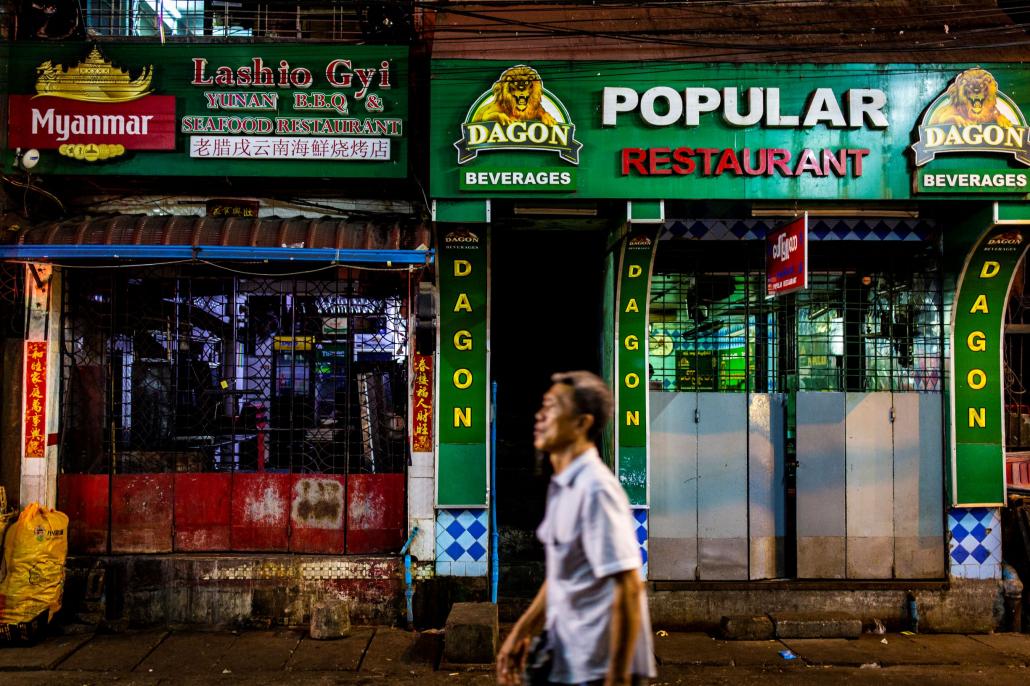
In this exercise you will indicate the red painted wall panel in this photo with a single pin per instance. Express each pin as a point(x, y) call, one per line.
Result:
point(375, 513)
point(83, 497)
point(202, 511)
point(260, 511)
point(141, 513)
point(317, 513)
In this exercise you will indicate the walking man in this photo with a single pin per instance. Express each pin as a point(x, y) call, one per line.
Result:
point(592, 604)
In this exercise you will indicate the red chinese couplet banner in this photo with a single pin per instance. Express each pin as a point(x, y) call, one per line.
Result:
point(422, 404)
point(35, 398)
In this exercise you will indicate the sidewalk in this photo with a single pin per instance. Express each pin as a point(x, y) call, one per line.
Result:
point(378, 655)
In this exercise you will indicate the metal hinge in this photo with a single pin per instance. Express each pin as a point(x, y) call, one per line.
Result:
point(891, 415)
point(697, 415)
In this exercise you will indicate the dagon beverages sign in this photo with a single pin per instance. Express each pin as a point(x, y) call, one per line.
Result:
point(786, 257)
point(973, 118)
point(262, 110)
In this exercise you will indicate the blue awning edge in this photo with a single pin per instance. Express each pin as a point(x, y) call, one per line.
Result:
point(46, 253)
point(371, 240)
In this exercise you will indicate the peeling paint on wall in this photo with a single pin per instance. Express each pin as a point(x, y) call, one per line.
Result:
point(266, 508)
point(318, 503)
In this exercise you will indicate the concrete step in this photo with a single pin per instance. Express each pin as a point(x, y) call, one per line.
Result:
point(823, 625)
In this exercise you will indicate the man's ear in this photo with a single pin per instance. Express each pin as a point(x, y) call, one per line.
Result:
point(585, 421)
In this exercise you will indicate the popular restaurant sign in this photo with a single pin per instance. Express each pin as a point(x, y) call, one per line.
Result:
point(329, 111)
point(711, 131)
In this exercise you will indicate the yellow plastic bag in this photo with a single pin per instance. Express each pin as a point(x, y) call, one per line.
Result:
point(35, 549)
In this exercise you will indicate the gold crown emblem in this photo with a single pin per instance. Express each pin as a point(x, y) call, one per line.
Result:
point(92, 80)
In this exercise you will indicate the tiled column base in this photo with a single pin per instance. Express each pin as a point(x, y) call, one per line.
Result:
point(974, 542)
point(461, 542)
point(640, 516)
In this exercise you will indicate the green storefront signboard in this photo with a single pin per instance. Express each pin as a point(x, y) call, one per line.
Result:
point(277, 110)
point(631, 371)
point(462, 379)
point(978, 380)
point(727, 131)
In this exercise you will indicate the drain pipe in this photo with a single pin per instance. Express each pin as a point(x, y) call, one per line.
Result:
point(494, 558)
point(409, 589)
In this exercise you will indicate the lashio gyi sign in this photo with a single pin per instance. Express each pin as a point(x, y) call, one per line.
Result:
point(276, 110)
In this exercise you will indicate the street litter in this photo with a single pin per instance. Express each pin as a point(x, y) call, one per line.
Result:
point(883, 641)
point(870, 665)
point(787, 655)
point(878, 627)
point(908, 633)
point(662, 634)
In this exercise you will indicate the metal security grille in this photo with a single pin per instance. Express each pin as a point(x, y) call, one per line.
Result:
point(711, 328)
point(870, 320)
point(281, 20)
point(1017, 364)
point(198, 372)
point(12, 304)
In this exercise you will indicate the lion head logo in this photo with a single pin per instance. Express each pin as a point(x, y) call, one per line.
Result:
point(972, 99)
point(518, 113)
point(517, 96)
point(972, 116)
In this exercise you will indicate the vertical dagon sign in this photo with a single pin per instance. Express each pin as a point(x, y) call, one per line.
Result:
point(422, 404)
point(35, 398)
point(786, 257)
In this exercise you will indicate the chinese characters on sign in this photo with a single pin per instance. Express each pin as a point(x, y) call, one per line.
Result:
point(35, 398)
point(289, 148)
point(232, 207)
point(422, 405)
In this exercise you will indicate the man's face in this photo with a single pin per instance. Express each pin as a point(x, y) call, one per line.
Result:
point(557, 422)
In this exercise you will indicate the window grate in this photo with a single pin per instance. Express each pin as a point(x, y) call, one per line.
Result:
point(209, 373)
point(871, 319)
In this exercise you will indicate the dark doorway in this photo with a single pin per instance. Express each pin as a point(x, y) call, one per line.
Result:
point(547, 295)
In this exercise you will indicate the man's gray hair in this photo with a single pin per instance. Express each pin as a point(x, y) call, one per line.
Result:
point(591, 396)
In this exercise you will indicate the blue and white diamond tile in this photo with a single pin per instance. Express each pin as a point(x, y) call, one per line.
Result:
point(461, 542)
point(640, 522)
point(819, 229)
point(974, 542)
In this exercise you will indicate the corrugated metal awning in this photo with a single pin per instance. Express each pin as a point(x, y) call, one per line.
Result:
point(223, 238)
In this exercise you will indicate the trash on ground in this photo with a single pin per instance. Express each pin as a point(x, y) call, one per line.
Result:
point(908, 633)
point(870, 665)
point(883, 641)
point(788, 655)
point(878, 627)
point(662, 634)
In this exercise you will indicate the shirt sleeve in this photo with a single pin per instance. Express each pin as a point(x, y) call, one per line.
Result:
point(609, 542)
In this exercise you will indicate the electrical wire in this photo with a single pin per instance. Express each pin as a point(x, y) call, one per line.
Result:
point(29, 186)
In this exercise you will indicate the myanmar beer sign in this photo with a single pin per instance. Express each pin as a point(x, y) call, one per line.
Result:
point(518, 114)
point(972, 118)
point(92, 111)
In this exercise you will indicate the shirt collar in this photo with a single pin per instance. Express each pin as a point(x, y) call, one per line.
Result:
point(578, 464)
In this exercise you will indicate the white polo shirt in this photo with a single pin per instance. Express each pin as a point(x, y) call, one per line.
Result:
point(588, 534)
